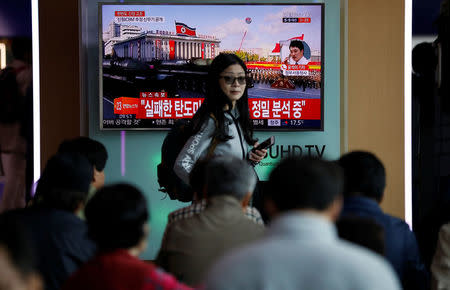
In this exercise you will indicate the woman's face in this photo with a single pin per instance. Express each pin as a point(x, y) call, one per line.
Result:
point(232, 82)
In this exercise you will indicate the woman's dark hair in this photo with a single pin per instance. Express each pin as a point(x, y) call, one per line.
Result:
point(116, 215)
point(216, 100)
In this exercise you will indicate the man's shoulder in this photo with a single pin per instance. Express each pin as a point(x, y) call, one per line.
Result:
point(303, 60)
point(206, 223)
point(395, 220)
point(53, 219)
point(341, 259)
point(185, 222)
point(186, 212)
point(370, 209)
point(244, 257)
point(396, 225)
point(356, 254)
point(375, 267)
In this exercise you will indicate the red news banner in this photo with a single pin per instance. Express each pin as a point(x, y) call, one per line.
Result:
point(158, 106)
point(300, 109)
point(129, 13)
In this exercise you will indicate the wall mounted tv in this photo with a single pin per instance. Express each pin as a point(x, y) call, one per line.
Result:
point(154, 60)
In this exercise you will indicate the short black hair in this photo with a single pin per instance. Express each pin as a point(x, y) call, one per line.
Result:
point(362, 231)
point(364, 175)
point(116, 215)
point(65, 182)
point(15, 239)
point(304, 182)
point(297, 43)
point(93, 150)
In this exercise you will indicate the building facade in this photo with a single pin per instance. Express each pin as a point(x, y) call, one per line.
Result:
point(166, 45)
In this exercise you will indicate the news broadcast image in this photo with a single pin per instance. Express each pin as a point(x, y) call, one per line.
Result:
point(155, 58)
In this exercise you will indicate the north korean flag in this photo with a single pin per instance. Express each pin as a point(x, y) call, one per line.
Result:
point(183, 29)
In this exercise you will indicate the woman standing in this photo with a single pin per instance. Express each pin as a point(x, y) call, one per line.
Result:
point(222, 125)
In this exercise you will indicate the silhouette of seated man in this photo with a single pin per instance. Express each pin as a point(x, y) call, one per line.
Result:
point(365, 181)
point(193, 244)
point(58, 234)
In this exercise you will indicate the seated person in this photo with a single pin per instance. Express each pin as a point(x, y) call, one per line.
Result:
point(96, 154)
point(17, 260)
point(197, 182)
point(440, 267)
point(362, 231)
point(365, 180)
point(193, 244)
point(301, 249)
point(60, 237)
point(117, 217)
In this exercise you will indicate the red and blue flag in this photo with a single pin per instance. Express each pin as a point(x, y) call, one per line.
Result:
point(184, 30)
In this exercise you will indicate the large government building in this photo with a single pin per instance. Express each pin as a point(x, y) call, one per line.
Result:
point(158, 44)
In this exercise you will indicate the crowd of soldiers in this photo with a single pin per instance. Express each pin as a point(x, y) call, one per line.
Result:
point(269, 76)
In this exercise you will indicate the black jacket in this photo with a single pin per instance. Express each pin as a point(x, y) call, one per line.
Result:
point(61, 243)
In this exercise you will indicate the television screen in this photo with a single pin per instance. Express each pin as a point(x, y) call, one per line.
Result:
point(154, 59)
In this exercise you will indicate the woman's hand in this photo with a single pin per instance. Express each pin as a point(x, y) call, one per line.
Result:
point(257, 155)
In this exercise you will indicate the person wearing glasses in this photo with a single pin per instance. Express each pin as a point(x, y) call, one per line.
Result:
point(221, 126)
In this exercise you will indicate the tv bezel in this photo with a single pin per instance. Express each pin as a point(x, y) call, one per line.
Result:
point(274, 129)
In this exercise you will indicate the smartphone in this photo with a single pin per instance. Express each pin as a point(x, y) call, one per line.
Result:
point(266, 143)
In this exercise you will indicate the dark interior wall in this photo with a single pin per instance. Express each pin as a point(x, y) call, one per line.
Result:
point(431, 126)
point(59, 73)
point(424, 14)
point(15, 18)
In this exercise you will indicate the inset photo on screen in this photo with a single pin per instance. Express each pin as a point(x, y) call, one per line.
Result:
point(154, 62)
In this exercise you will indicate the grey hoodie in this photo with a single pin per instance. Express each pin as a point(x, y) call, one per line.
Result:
point(197, 145)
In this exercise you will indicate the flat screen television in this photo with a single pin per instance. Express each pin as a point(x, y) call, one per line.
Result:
point(154, 59)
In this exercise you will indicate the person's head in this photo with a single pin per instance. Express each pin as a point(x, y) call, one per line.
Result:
point(230, 176)
point(64, 183)
point(424, 60)
point(226, 89)
point(306, 184)
point(17, 257)
point(94, 151)
point(228, 83)
point(197, 178)
point(364, 175)
point(117, 217)
point(362, 231)
point(296, 49)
